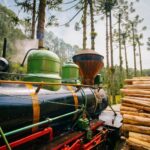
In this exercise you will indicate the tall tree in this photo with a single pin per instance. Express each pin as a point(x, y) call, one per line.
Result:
point(41, 23)
point(29, 6)
point(139, 37)
point(134, 47)
point(123, 9)
point(84, 23)
point(93, 34)
point(134, 28)
point(107, 40)
point(33, 19)
point(120, 50)
point(124, 36)
point(106, 6)
point(9, 29)
point(83, 5)
point(103, 6)
point(140, 55)
point(112, 60)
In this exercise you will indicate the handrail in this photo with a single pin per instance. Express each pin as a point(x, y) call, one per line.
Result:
point(48, 120)
point(5, 139)
point(22, 64)
point(44, 83)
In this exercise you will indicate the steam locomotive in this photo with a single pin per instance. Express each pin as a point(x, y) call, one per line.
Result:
point(44, 105)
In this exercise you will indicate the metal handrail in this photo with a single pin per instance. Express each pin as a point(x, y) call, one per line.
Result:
point(44, 83)
point(5, 139)
point(48, 120)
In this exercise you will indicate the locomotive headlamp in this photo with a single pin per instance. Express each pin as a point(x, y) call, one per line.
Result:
point(4, 65)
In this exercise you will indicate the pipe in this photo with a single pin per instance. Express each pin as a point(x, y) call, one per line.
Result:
point(5, 139)
point(43, 83)
point(4, 48)
point(30, 138)
point(22, 64)
point(48, 120)
point(84, 96)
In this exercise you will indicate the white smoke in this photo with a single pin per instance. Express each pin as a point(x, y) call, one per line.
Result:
point(22, 46)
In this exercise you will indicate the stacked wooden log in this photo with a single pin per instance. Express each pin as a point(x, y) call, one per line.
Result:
point(135, 109)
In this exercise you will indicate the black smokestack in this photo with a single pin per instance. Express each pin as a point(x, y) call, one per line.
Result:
point(4, 48)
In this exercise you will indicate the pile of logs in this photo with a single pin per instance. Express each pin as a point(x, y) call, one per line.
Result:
point(135, 109)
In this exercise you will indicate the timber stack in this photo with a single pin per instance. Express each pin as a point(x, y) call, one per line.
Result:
point(135, 109)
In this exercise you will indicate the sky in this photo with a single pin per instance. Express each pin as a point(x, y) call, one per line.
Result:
point(69, 35)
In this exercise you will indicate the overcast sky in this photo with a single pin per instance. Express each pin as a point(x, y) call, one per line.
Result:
point(75, 37)
point(69, 35)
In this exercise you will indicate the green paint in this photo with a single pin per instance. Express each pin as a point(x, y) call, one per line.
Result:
point(70, 73)
point(43, 61)
point(44, 65)
point(83, 123)
point(5, 139)
point(89, 134)
point(98, 79)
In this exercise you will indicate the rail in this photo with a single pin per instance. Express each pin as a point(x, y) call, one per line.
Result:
point(48, 120)
point(41, 84)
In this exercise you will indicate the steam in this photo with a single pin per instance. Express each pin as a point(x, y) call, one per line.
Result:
point(22, 46)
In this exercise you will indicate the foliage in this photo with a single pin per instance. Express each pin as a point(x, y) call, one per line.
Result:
point(146, 72)
point(148, 44)
point(9, 29)
point(105, 77)
point(106, 5)
point(31, 7)
point(16, 68)
point(63, 50)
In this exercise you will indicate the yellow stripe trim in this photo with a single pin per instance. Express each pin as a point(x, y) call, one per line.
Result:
point(75, 97)
point(35, 105)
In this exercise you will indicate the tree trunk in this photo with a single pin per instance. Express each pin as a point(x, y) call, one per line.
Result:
point(137, 95)
point(128, 112)
point(140, 58)
point(140, 108)
point(136, 120)
point(138, 98)
point(135, 91)
point(125, 108)
point(111, 41)
point(141, 82)
point(135, 128)
point(33, 19)
point(134, 50)
point(138, 144)
point(137, 102)
point(107, 40)
point(120, 52)
point(141, 78)
point(92, 25)
point(142, 137)
point(84, 22)
point(41, 23)
point(107, 57)
point(138, 86)
point(126, 58)
point(112, 61)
